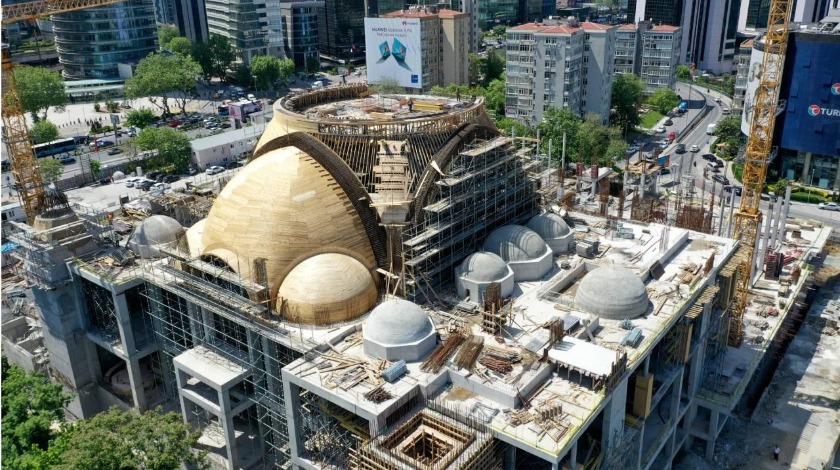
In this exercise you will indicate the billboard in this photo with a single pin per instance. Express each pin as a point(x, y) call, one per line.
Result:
point(394, 51)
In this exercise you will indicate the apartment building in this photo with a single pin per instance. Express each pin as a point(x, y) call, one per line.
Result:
point(710, 45)
point(239, 22)
point(744, 55)
point(626, 47)
point(659, 57)
point(419, 47)
point(559, 64)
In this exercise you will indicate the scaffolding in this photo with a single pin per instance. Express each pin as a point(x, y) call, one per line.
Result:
point(487, 185)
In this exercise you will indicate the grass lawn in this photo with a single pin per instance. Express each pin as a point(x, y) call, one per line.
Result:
point(650, 119)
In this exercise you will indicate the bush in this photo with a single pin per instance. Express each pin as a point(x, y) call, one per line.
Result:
point(97, 107)
point(812, 198)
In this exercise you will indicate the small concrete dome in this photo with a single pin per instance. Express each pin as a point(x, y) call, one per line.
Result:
point(515, 243)
point(118, 175)
point(398, 329)
point(155, 231)
point(397, 321)
point(549, 225)
point(326, 288)
point(484, 267)
point(612, 293)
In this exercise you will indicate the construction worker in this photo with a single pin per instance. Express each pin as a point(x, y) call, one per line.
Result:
point(776, 452)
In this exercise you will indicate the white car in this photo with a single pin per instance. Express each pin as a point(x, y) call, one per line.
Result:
point(829, 206)
point(130, 182)
point(695, 148)
point(161, 186)
point(660, 130)
point(213, 170)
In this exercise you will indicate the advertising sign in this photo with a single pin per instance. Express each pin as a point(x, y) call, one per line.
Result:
point(394, 51)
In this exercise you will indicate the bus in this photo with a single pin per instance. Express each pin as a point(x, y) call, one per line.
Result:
point(55, 147)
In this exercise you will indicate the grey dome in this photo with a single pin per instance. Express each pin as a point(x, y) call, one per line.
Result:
point(397, 321)
point(484, 267)
point(155, 230)
point(549, 225)
point(613, 293)
point(515, 243)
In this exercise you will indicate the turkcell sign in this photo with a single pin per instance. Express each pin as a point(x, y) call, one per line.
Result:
point(817, 110)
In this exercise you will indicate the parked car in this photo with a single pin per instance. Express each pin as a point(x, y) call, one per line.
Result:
point(192, 171)
point(736, 189)
point(709, 157)
point(672, 136)
point(224, 125)
point(114, 151)
point(680, 148)
point(721, 179)
point(829, 206)
point(160, 186)
point(251, 97)
point(632, 149)
point(233, 165)
point(174, 123)
point(153, 174)
point(130, 182)
point(144, 185)
point(213, 170)
point(659, 130)
point(171, 178)
point(669, 122)
point(695, 148)
point(66, 159)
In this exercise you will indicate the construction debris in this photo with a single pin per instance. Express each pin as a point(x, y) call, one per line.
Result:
point(469, 352)
point(438, 358)
point(378, 395)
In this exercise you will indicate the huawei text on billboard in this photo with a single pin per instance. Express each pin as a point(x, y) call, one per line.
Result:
point(816, 110)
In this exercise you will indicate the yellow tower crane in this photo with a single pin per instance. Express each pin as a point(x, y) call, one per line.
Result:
point(759, 146)
point(30, 183)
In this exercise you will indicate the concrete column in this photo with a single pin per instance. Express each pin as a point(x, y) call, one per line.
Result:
point(806, 169)
point(135, 378)
point(837, 181)
point(226, 420)
point(710, 444)
point(124, 324)
point(181, 380)
point(292, 393)
point(783, 222)
point(614, 416)
point(510, 458)
point(774, 230)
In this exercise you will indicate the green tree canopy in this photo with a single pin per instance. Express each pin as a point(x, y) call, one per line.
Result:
point(30, 405)
point(266, 71)
point(159, 77)
point(244, 77)
point(728, 128)
point(728, 84)
point(477, 65)
point(387, 86)
point(663, 100)
point(51, 169)
point(683, 73)
point(166, 33)
point(180, 45)
point(43, 131)
point(140, 118)
point(119, 440)
point(173, 147)
point(511, 126)
point(203, 56)
point(494, 69)
point(495, 96)
point(222, 55)
point(557, 121)
point(499, 31)
point(603, 141)
point(287, 69)
point(626, 90)
point(39, 90)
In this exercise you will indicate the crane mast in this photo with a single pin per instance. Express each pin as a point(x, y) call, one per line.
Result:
point(27, 174)
point(756, 158)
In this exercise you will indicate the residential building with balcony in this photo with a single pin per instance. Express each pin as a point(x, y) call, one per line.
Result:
point(239, 22)
point(598, 69)
point(744, 55)
point(660, 53)
point(626, 48)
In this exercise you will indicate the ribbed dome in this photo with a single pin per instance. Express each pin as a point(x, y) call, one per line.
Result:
point(549, 225)
point(484, 267)
point(282, 206)
point(515, 243)
point(613, 293)
point(326, 288)
point(397, 321)
point(154, 231)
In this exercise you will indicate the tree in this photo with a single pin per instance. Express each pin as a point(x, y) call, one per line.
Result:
point(557, 121)
point(266, 71)
point(313, 65)
point(95, 166)
point(663, 100)
point(30, 406)
point(140, 118)
point(244, 77)
point(287, 69)
point(728, 128)
point(166, 33)
point(386, 86)
point(511, 126)
point(477, 65)
point(180, 45)
point(495, 68)
point(495, 96)
point(158, 76)
point(43, 131)
point(499, 31)
point(222, 55)
point(39, 90)
point(51, 169)
point(201, 54)
point(173, 147)
point(728, 84)
point(626, 90)
point(119, 440)
point(683, 73)
point(112, 106)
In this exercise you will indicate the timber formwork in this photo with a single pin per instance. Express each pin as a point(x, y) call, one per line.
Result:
point(487, 185)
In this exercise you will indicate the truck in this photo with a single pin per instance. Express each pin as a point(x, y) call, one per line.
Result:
point(710, 130)
point(240, 109)
point(683, 107)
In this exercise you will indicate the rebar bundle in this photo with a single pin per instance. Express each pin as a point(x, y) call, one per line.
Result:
point(378, 395)
point(469, 352)
point(498, 365)
point(438, 358)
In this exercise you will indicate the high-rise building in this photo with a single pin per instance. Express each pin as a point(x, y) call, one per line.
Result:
point(341, 29)
point(300, 25)
point(655, 11)
point(239, 22)
point(165, 11)
point(710, 45)
point(559, 64)
point(753, 13)
point(419, 47)
point(191, 19)
point(92, 43)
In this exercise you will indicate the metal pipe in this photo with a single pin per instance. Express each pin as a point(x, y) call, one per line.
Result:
point(731, 213)
point(723, 207)
point(783, 222)
point(561, 191)
point(762, 253)
point(774, 231)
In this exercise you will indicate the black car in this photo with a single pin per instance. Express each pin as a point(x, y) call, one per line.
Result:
point(233, 165)
point(680, 148)
point(153, 174)
point(171, 178)
point(721, 179)
point(81, 140)
point(709, 157)
point(224, 125)
point(114, 151)
point(6, 165)
point(145, 185)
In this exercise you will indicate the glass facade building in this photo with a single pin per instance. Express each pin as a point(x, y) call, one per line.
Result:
point(300, 24)
point(92, 42)
point(341, 26)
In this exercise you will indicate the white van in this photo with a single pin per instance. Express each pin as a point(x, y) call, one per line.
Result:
point(710, 130)
point(317, 84)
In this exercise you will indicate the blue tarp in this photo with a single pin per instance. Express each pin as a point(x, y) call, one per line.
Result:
point(9, 246)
